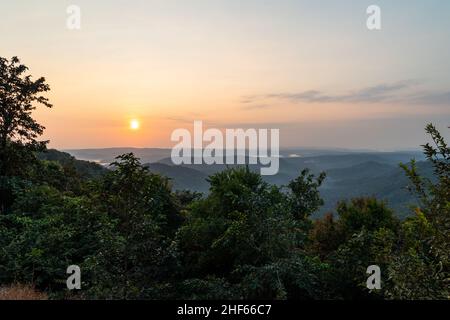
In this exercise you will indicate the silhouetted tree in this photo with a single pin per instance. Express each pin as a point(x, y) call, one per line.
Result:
point(19, 95)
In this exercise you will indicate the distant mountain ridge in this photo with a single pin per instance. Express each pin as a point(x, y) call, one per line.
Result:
point(349, 173)
point(107, 155)
point(149, 155)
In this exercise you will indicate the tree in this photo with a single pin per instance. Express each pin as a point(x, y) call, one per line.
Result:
point(305, 197)
point(325, 236)
point(365, 234)
point(426, 235)
point(45, 232)
point(19, 95)
point(136, 257)
point(367, 213)
point(245, 238)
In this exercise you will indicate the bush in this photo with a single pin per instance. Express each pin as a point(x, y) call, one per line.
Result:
point(21, 292)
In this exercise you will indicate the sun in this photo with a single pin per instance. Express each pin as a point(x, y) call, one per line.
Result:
point(134, 124)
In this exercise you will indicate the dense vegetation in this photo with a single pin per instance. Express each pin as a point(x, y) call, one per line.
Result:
point(134, 238)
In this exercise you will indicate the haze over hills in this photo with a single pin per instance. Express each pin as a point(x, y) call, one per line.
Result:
point(149, 155)
point(350, 173)
point(107, 155)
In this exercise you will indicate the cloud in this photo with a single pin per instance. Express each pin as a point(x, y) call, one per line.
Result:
point(400, 92)
point(434, 98)
point(180, 119)
point(189, 118)
point(256, 106)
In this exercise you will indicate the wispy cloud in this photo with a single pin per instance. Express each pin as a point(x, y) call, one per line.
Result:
point(180, 119)
point(400, 92)
point(256, 106)
point(190, 117)
point(433, 98)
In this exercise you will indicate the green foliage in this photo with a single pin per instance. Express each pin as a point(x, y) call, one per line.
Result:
point(244, 233)
point(350, 261)
point(421, 270)
point(367, 213)
point(305, 198)
point(136, 239)
point(44, 234)
point(208, 288)
point(414, 272)
point(295, 277)
point(364, 235)
point(325, 236)
point(413, 255)
point(136, 255)
point(72, 166)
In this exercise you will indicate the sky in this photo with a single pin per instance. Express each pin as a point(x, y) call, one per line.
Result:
point(309, 68)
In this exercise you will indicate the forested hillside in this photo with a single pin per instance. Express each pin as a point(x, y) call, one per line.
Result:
point(348, 176)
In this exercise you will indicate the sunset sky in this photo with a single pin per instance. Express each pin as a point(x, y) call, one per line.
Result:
point(310, 68)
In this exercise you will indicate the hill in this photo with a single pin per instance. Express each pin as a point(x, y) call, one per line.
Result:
point(85, 169)
point(349, 173)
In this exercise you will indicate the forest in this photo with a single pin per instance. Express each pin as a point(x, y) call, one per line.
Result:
point(134, 237)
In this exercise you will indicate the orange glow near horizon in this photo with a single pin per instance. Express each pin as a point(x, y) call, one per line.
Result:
point(134, 73)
